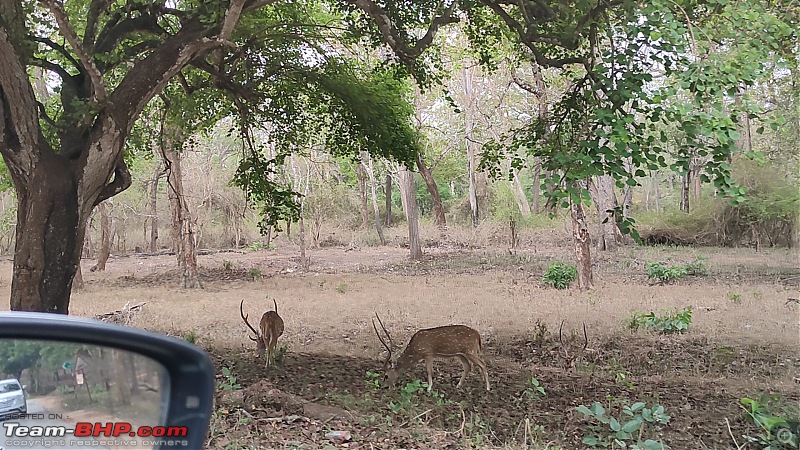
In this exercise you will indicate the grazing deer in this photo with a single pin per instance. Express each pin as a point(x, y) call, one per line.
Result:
point(271, 328)
point(570, 359)
point(450, 341)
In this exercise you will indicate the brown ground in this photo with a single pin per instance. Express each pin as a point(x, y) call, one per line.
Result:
point(743, 341)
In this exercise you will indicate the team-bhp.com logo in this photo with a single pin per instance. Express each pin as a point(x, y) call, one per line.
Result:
point(96, 429)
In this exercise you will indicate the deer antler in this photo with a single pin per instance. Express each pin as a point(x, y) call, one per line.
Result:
point(244, 317)
point(388, 336)
point(569, 358)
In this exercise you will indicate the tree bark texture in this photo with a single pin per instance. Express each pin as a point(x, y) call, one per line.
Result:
point(409, 197)
point(519, 195)
point(602, 190)
point(583, 256)
point(105, 238)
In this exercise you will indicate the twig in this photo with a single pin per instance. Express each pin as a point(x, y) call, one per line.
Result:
point(416, 417)
point(728, 424)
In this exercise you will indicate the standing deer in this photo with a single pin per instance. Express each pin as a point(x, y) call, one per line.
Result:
point(271, 328)
point(449, 341)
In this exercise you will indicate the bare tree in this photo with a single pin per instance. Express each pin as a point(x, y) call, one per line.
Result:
point(409, 198)
point(182, 225)
point(366, 162)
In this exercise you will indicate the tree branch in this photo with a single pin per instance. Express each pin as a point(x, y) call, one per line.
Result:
point(20, 134)
point(98, 86)
point(95, 9)
point(391, 36)
point(122, 181)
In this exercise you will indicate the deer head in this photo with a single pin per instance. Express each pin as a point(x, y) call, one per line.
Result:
point(258, 339)
point(390, 373)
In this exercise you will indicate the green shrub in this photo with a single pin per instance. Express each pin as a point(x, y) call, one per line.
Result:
point(560, 275)
point(779, 424)
point(667, 323)
point(627, 431)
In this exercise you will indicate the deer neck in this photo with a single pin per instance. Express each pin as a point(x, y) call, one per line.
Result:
point(406, 361)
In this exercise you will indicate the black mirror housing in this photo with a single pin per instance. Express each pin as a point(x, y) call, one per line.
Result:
point(190, 369)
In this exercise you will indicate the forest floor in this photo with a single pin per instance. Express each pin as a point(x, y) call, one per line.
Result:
point(742, 342)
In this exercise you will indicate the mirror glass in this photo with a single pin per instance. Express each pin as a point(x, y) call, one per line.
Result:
point(69, 395)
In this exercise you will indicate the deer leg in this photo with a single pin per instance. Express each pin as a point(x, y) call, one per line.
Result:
point(429, 367)
point(482, 366)
point(467, 367)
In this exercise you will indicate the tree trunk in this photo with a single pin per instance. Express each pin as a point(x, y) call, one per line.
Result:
point(696, 181)
point(182, 227)
point(49, 237)
point(362, 193)
point(537, 169)
point(609, 236)
point(366, 162)
point(303, 258)
point(433, 190)
point(105, 238)
point(583, 257)
point(409, 197)
point(656, 192)
point(388, 193)
point(685, 182)
point(157, 174)
point(122, 388)
point(519, 195)
point(470, 144)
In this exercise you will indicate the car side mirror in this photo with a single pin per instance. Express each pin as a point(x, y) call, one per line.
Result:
point(86, 382)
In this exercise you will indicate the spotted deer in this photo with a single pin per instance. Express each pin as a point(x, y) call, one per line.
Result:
point(270, 329)
point(449, 341)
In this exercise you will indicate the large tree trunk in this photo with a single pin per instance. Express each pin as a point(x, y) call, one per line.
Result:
point(182, 226)
point(49, 236)
point(409, 198)
point(433, 190)
point(366, 161)
point(105, 238)
point(583, 256)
